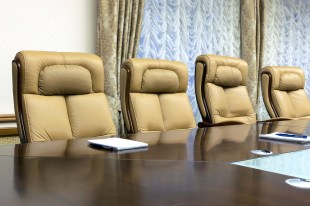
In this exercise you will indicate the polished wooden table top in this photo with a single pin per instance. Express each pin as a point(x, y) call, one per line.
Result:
point(181, 167)
point(216, 144)
point(78, 181)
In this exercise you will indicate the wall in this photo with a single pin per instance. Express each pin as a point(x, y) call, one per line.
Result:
point(55, 25)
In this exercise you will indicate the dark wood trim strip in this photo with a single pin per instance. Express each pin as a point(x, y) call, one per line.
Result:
point(227, 123)
point(8, 131)
point(269, 93)
point(7, 118)
point(131, 129)
point(20, 119)
point(203, 96)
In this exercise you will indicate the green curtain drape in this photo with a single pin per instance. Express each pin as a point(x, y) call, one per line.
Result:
point(118, 35)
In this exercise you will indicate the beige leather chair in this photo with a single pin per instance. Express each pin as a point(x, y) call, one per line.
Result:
point(59, 95)
point(221, 93)
point(153, 95)
point(283, 92)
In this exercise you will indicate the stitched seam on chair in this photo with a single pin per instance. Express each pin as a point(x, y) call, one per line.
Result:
point(142, 81)
point(237, 66)
point(174, 72)
point(66, 101)
point(132, 115)
point(247, 116)
point(161, 110)
point(187, 99)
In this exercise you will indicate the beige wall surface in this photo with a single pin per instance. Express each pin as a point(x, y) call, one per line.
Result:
point(54, 25)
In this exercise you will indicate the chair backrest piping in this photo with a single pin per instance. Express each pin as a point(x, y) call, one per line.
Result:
point(22, 132)
point(269, 93)
point(203, 96)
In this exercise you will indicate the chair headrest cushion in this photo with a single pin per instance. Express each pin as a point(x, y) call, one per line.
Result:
point(290, 82)
point(65, 80)
point(228, 76)
point(156, 76)
point(159, 81)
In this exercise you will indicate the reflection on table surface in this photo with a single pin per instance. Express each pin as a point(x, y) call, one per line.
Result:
point(99, 181)
point(303, 123)
point(219, 144)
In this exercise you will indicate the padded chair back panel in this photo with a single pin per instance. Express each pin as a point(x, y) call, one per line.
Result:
point(283, 92)
point(237, 108)
point(221, 90)
point(153, 96)
point(60, 96)
point(46, 117)
point(147, 112)
point(88, 115)
point(177, 112)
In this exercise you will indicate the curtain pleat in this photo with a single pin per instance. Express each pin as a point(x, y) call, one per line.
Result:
point(250, 45)
point(252, 20)
point(181, 30)
point(118, 34)
point(261, 110)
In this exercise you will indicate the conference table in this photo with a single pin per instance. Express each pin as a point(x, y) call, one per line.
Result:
point(203, 166)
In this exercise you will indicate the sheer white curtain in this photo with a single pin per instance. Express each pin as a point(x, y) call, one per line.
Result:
point(183, 29)
point(287, 38)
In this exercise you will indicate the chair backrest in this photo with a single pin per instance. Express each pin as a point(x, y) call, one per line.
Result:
point(153, 95)
point(221, 93)
point(59, 95)
point(283, 92)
